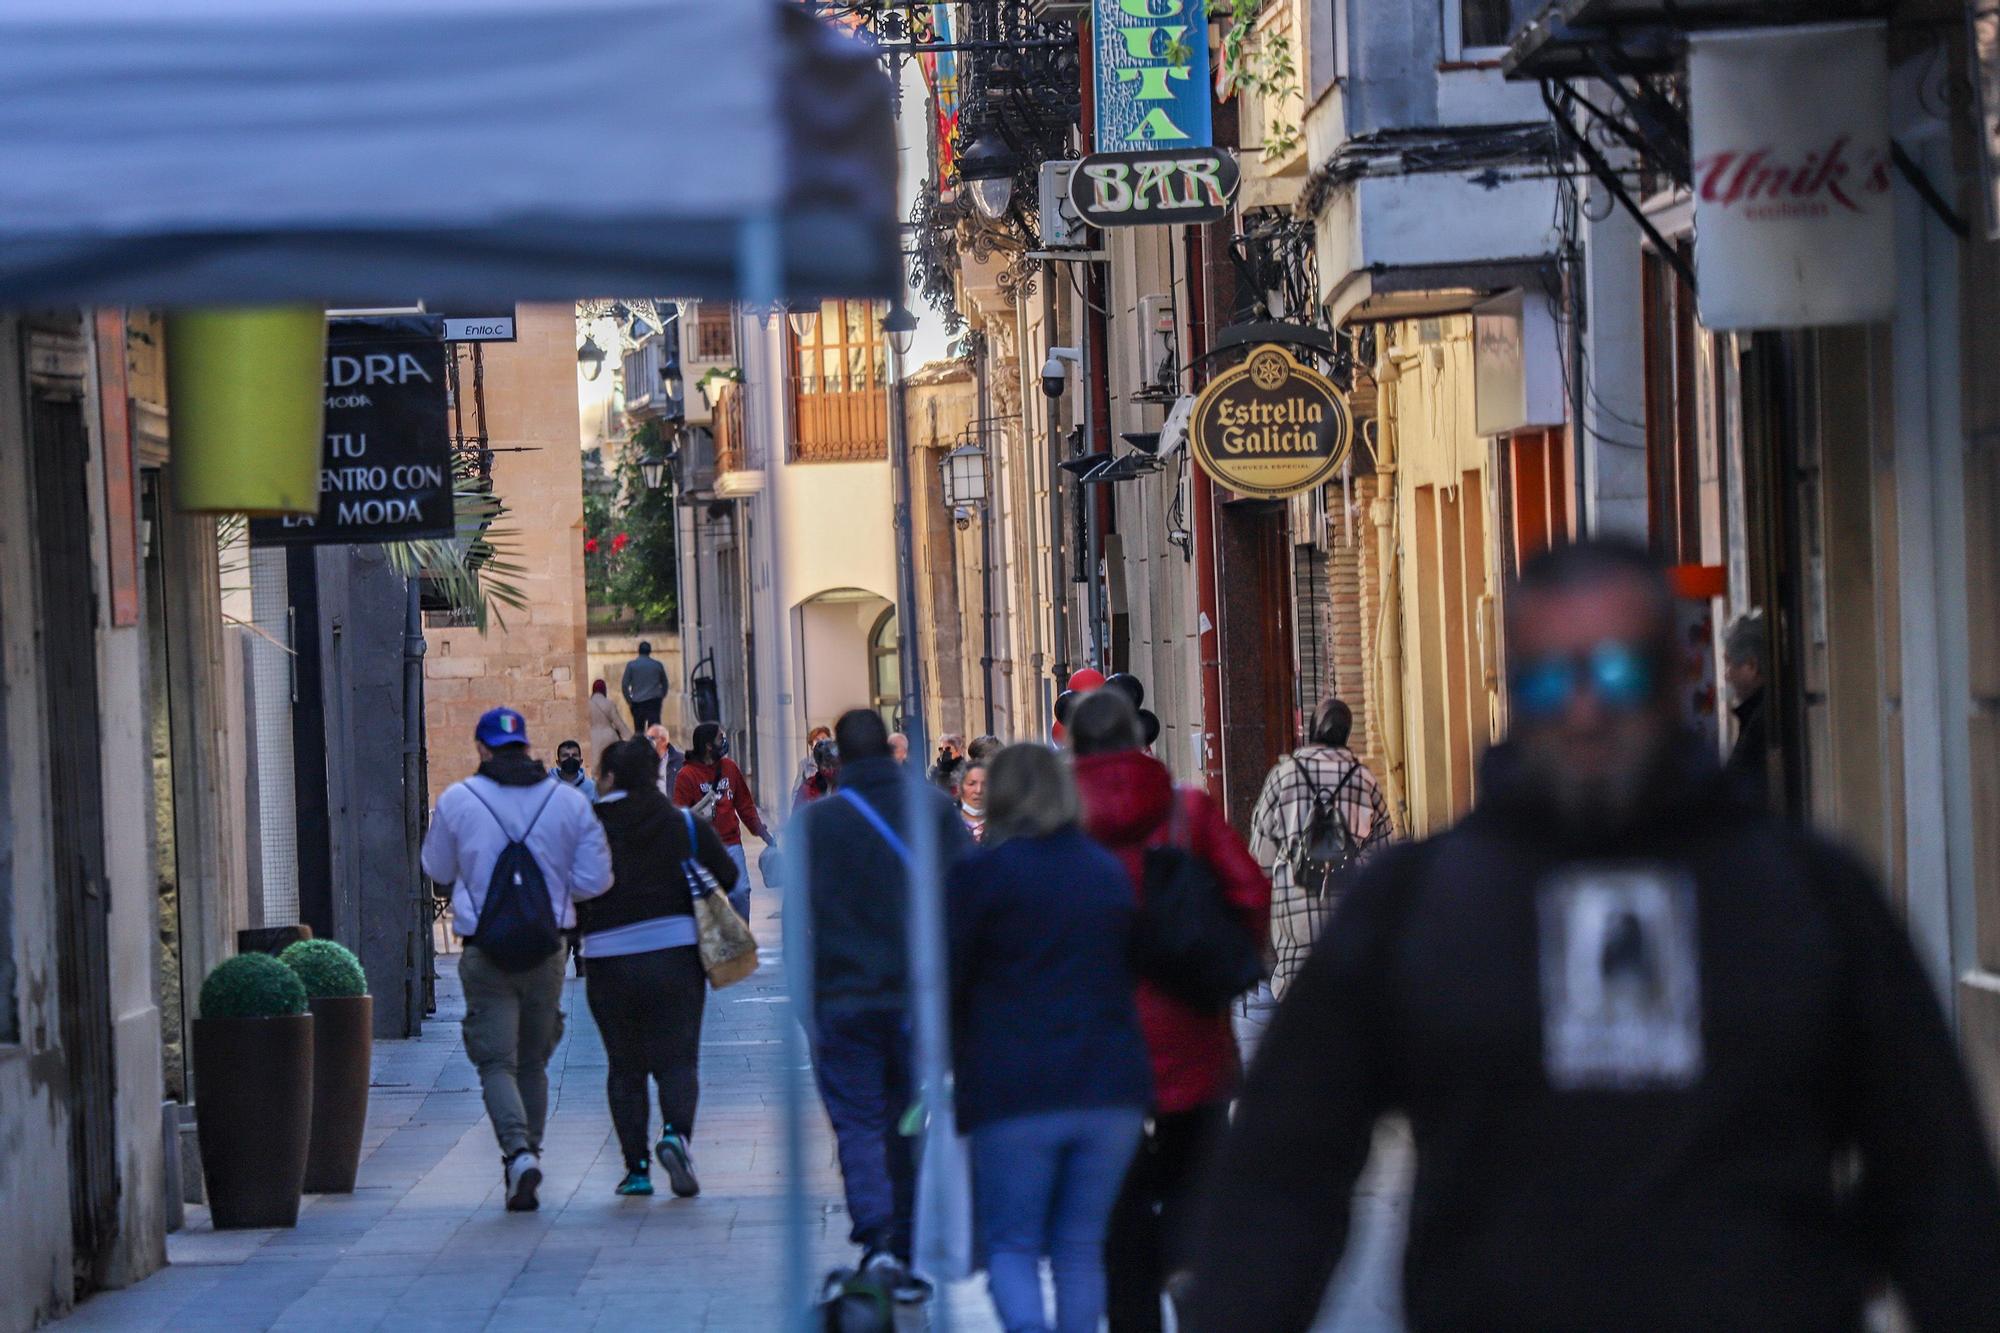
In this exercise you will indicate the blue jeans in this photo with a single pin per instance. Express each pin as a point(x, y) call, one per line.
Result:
point(739, 897)
point(862, 1062)
point(1044, 1185)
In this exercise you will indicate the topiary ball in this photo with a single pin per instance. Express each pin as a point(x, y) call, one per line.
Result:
point(325, 968)
point(252, 985)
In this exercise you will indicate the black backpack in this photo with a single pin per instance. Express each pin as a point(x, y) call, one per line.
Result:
point(517, 926)
point(1186, 940)
point(1327, 849)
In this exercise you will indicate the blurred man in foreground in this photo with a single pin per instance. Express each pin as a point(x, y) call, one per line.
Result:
point(1669, 1062)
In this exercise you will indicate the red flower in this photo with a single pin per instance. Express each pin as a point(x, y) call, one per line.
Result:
point(590, 546)
point(620, 542)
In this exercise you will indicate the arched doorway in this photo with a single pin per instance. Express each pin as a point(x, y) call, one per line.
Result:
point(885, 668)
point(847, 654)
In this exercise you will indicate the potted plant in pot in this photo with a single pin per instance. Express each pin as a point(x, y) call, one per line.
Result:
point(343, 1046)
point(253, 1067)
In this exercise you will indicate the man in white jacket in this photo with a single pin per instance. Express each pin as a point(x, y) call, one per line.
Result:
point(513, 1019)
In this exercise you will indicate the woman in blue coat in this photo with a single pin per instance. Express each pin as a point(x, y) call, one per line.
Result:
point(1052, 1076)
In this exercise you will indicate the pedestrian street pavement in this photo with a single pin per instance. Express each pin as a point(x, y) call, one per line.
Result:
point(423, 1243)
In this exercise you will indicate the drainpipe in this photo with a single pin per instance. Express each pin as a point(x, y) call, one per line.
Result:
point(417, 978)
point(985, 545)
point(1201, 499)
point(1388, 658)
point(1058, 576)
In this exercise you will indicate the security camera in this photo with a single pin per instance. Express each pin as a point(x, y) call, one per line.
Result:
point(1055, 376)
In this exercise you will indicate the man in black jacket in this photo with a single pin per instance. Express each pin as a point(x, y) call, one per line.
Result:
point(1670, 1063)
point(856, 847)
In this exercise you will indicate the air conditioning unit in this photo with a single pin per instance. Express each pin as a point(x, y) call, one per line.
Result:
point(1063, 228)
point(1160, 371)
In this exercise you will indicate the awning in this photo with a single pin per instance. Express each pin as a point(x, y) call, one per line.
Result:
point(364, 152)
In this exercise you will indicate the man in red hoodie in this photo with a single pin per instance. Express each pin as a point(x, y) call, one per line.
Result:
point(1128, 805)
point(711, 785)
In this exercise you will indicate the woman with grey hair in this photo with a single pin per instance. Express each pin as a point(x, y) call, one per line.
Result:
point(1052, 1075)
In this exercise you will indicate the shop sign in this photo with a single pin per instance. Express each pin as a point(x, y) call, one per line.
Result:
point(1151, 74)
point(385, 473)
point(1271, 427)
point(1153, 188)
point(1794, 220)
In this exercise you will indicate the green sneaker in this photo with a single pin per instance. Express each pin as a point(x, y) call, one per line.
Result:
point(674, 1157)
point(636, 1182)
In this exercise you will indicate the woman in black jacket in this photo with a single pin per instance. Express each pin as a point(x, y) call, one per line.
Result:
point(645, 981)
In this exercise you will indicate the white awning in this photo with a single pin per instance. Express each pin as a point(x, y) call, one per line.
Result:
point(362, 152)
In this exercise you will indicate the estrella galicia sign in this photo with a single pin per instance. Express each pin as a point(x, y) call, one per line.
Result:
point(1153, 188)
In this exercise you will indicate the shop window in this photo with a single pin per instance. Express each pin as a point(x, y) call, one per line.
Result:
point(1673, 481)
point(840, 386)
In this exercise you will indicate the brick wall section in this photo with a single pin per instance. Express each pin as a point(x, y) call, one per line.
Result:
point(537, 663)
point(1353, 583)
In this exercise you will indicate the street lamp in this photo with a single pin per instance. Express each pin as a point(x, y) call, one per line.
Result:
point(653, 471)
point(964, 474)
point(590, 358)
point(987, 166)
point(805, 321)
point(901, 327)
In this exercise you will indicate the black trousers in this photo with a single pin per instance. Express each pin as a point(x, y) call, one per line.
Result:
point(648, 1008)
point(645, 712)
point(1145, 1245)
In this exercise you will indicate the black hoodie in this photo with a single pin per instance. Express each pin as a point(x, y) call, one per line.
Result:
point(1634, 1063)
point(648, 836)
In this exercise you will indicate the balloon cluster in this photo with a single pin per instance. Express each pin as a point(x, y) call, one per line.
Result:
point(1082, 682)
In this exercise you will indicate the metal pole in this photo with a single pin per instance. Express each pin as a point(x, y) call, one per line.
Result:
point(907, 643)
point(1058, 576)
point(985, 543)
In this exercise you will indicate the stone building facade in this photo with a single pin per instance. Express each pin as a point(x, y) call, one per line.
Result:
point(536, 661)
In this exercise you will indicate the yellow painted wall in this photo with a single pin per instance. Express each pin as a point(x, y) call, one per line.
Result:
point(1447, 553)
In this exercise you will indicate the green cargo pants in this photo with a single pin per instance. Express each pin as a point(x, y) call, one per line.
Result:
point(513, 1021)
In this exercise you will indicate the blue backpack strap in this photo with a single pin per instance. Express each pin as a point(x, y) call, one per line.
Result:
point(880, 825)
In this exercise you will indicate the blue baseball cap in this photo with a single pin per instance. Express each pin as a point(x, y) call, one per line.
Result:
point(500, 726)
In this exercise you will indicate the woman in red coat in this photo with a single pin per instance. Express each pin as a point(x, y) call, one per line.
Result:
point(1128, 805)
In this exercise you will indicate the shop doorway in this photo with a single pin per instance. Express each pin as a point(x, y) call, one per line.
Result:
point(60, 457)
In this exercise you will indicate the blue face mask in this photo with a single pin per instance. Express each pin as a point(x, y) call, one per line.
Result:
point(1623, 676)
point(722, 747)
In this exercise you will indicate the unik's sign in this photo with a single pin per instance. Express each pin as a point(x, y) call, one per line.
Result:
point(1151, 77)
point(385, 475)
point(1153, 188)
point(1794, 219)
point(1270, 427)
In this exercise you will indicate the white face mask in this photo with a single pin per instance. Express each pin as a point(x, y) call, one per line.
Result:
point(977, 812)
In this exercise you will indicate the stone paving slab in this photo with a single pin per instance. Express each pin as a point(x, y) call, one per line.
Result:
point(424, 1244)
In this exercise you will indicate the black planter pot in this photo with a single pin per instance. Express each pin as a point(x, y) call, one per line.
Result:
point(343, 1049)
point(253, 1114)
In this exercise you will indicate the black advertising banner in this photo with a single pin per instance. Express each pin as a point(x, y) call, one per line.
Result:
point(385, 475)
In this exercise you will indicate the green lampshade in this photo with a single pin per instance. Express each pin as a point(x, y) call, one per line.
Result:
point(246, 401)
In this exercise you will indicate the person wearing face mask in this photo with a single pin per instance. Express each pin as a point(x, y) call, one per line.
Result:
point(569, 769)
point(972, 799)
point(711, 785)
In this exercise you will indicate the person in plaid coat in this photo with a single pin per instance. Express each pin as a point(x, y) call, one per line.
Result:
point(1323, 769)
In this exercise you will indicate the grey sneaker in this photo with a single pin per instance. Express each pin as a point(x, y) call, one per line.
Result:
point(678, 1163)
point(524, 1177)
